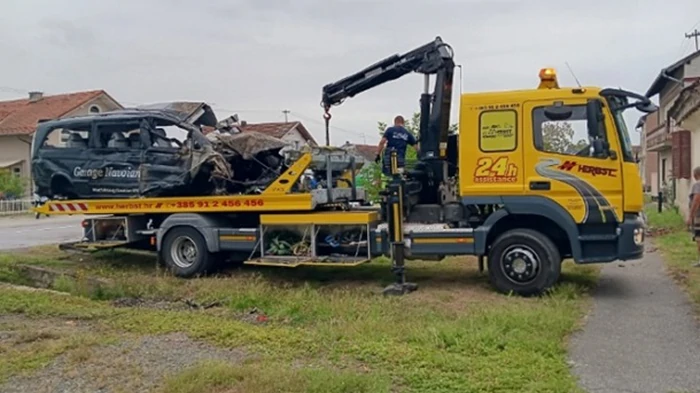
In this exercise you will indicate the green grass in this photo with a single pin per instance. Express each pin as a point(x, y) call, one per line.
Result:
point(272, 378)
point(679, 251)
point(668, 219)
point(330, 330)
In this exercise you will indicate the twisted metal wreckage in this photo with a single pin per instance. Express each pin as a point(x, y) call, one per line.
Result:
point(127, 154)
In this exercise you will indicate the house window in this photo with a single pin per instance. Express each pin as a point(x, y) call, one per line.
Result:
point(17, 171)
point(94, 109)
point(663, 170)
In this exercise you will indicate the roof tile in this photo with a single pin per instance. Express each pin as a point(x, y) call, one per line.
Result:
point(278, 130)
point(20, 117)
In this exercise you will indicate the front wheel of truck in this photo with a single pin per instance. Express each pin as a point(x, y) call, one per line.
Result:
point(523, 261)
point(185, 252)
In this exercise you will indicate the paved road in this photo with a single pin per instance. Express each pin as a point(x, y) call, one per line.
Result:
point(641, 335)
point(26, 231)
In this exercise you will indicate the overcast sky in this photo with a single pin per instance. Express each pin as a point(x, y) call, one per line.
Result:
point(259, 57)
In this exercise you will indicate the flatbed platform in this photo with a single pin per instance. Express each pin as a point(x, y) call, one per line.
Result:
point(199, 204)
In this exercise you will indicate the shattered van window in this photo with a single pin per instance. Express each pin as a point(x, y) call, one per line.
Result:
point(173, 131)
point(119, 136)
point(74, 138)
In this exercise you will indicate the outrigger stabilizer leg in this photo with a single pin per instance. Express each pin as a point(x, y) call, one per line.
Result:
point(394, 207)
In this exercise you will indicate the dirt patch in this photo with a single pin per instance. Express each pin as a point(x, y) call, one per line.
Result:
point(131, 365)
point(12, 326)
point(656, 232)
point(164, 304)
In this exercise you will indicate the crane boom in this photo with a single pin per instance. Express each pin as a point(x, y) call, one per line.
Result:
point(427, 59)
point(435, 57)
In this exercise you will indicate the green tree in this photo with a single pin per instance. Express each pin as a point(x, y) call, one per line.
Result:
point(559, 138)
point(11, 186)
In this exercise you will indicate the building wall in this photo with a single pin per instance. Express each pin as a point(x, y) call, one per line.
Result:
point(294, 138)
point(692, 69)
point(648, 169)
point(692, 124)
point(668, 95)
point(649, 160)
point(103, 102)
point(13, 148)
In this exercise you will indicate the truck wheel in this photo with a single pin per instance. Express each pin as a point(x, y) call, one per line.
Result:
point(523, 261)
point(185, 252)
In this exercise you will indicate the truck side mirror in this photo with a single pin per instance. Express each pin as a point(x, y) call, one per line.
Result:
point(594, 114)
point(596, 130)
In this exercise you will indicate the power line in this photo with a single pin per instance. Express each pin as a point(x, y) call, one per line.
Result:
point(285, 112)
point(695, 34)
point(9, 89)
point(310, 119)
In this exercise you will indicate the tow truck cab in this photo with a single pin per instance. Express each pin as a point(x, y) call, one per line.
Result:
point(555, 160)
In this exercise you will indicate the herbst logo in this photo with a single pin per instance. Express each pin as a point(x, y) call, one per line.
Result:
point(567, 165)
point(588, 169)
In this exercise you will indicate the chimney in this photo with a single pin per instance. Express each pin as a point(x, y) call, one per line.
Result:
point(35, 96)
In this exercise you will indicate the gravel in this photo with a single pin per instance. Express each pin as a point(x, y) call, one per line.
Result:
point(132, 365)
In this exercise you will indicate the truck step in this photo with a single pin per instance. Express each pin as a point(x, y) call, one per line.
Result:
point(292, 261)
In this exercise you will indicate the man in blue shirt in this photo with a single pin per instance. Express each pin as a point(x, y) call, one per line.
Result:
point(396, 138)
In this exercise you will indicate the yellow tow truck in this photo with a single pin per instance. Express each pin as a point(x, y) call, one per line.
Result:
point(502, 189)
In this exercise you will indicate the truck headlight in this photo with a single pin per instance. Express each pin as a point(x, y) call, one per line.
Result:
point(638, 236)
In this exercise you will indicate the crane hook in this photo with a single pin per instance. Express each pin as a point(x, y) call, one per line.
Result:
point(327, 118)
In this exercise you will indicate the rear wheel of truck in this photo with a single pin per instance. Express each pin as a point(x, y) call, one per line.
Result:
point(523, 261)
point(185, 252)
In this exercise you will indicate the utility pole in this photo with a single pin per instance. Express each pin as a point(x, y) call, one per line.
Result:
point(695, 34)
point(286, 113)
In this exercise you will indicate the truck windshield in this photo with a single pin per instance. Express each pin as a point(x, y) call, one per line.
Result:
point(619, 100)
point(618, 104)
point(623, 135)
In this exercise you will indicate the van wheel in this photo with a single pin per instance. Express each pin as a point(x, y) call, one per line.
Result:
point(523, 261)
point(185, 253)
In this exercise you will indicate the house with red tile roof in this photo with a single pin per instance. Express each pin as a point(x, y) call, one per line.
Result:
point(292, 132)
point(19, 118)
point(368, 152)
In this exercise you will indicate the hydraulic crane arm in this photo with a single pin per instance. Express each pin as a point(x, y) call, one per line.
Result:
point(427, 59)
point(435, 57)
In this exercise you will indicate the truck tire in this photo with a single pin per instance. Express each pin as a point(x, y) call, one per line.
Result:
point(523, 261)
point(185, 252)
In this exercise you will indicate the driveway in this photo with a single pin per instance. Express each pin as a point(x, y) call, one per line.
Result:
point(641, 335)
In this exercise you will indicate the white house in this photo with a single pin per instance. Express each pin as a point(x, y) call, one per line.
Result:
point(686, 114)
point(671, 142)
